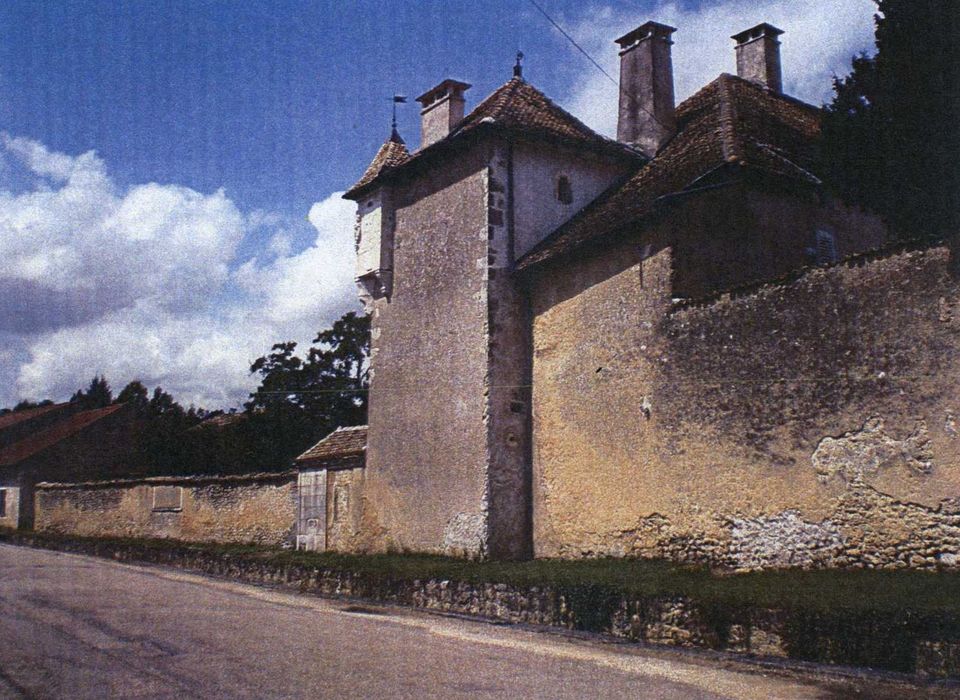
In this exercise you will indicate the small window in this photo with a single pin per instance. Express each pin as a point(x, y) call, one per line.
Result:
point(826, 251)
point(167, 499)
point(564, 190)
point(3, 503)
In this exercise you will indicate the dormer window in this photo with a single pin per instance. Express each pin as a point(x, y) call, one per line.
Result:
point(564, 190)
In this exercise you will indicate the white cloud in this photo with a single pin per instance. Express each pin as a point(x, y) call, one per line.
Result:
point(141, 283)
point(320, 277)
point(820, 39)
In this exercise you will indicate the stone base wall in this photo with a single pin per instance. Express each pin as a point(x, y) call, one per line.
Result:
point(904, 641)
point(257, 509)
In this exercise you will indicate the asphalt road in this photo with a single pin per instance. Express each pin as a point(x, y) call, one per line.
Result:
point(79, 627)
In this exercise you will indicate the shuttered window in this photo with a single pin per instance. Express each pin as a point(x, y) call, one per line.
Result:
point(167, 498)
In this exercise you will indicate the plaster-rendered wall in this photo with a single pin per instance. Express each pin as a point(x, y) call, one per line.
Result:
point(536, 169)
point(742, 233)
point(809, 423)
point(236, 511)
point(344, 508)
point(425, 482)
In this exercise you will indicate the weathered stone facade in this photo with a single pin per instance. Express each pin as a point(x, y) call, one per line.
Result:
point(696, 354)
point(257, 509)
point(448, 445)
point(809, 422)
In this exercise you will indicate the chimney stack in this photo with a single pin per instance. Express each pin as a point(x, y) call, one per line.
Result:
point(647, 116)
point(441, 110)
point(758, 56)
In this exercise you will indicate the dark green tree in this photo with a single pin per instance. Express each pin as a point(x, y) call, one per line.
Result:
point(890, 134)
point(25, 404)
point(97, 395)
point(135, 394)
point(300, 400)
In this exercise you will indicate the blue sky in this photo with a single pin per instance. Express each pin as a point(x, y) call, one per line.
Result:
point(129, 126)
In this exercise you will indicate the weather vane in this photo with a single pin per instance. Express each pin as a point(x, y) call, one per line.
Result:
point(518, 69)
point(397, 100)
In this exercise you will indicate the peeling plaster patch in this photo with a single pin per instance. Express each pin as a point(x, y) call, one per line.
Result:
point(645, 407)
point(950, 424)
point(859, 455)
point(783, 540)
point(465, 534)
point(945, 310)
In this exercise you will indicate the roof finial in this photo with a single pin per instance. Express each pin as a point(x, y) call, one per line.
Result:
point(397, 99)
point(518, 69)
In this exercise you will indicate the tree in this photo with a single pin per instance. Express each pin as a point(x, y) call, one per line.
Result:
point(890, 134)
point(136, 395)
point(97, 395)
point(300, 400)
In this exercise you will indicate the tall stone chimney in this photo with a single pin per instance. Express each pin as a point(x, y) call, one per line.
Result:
point(647, 116)
point(758, 56)
point(441, 110)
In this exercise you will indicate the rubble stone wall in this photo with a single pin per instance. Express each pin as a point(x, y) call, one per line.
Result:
point(240, 510)
point(811, 422)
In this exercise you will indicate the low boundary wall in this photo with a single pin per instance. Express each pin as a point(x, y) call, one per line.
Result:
point(902, 641)
point(248, 508)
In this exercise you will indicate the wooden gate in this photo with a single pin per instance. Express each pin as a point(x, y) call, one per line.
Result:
point(312, 510)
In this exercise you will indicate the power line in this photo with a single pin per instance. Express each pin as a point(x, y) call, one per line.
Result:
point(625, 371)
point(573, 41)
point(590, 58)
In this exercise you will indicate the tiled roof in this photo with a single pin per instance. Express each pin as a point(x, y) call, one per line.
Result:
point(222, 420)
point(520, 107)
point(392, 153)
point(342, 442)
point(517, 107)
point(14, 417)
point(730, 121)
point(39, 441)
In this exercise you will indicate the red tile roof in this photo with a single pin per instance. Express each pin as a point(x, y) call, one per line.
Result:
point(392, 154)
point(730, 121)
point(222, 420)
point(515, 107)
point(342, 442)
point(519, 107)
point(39, 441)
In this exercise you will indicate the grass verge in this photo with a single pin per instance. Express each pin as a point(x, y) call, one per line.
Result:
point(919, 592)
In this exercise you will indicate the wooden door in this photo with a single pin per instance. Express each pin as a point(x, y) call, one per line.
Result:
point(312, 511)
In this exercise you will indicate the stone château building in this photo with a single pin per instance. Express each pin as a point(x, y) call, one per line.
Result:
point(674, 344)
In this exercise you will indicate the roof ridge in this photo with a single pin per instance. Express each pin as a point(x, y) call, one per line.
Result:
point(729, 120)
point(729, 142)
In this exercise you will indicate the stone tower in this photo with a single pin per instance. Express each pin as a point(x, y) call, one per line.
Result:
point(438, 231)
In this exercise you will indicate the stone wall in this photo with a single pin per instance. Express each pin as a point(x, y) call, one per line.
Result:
point(426, 476)
point(810, 422)
point(257, 509)
point(344, 508)
point(11, 511)
point(906, 641)
point(537, 168)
